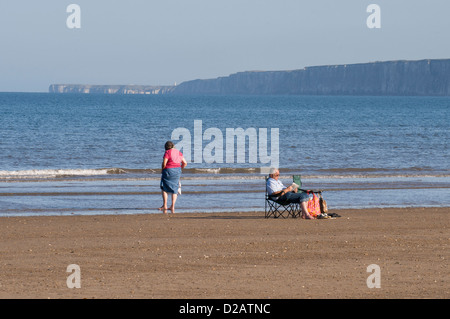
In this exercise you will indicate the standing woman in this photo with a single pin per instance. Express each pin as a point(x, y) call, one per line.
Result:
point(173, 162)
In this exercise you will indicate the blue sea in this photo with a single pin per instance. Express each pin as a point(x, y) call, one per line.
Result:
point(79, 154)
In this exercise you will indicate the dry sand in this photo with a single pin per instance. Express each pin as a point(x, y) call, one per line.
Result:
point(228, 255)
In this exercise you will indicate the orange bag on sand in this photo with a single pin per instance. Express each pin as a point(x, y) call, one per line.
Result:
point(314, 206)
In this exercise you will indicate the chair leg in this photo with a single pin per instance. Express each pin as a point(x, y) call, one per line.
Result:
point(285, 211)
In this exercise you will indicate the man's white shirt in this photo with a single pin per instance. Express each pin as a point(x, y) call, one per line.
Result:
point(274, 186)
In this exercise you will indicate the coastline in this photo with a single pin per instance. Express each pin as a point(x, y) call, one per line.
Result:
point(228, 255)
point(206, 193)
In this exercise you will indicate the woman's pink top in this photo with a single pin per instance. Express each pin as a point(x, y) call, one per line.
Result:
point(174, 158)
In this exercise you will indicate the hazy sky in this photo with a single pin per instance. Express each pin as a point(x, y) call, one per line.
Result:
point(165, 41)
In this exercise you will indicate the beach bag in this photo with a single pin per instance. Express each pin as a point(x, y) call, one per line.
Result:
point(314, 206)
point(323, 205)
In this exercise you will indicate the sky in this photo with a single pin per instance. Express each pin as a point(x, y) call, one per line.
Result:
point(162, 42)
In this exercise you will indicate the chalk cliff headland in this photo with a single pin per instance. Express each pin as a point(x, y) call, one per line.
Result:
point(422, 77)
point(108, 89)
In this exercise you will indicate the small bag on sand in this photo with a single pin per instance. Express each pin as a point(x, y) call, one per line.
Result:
point(323, 205)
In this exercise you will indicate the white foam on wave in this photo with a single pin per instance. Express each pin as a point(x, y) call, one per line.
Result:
point(51, 173)
point(193, 174)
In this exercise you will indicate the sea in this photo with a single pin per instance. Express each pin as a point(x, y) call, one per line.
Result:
point(97, 154)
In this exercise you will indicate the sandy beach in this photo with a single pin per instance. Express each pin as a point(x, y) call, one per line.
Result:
point(228, 255)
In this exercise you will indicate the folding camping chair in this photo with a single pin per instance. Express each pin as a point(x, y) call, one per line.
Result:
point(277, 209)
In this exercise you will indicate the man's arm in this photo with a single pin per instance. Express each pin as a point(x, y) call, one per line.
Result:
point(277, 189)
point(283, 191)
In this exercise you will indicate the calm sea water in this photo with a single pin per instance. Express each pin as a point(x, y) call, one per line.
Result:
point(90, 154)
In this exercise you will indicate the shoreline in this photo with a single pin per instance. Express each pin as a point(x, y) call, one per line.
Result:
point(228, 255)
point(69, 196)
point(44, 213)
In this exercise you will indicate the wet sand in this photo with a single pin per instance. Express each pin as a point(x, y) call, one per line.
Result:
point(228, 255)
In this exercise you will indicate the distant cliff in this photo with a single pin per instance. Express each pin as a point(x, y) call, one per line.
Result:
point(109, 89)
point(424, 77)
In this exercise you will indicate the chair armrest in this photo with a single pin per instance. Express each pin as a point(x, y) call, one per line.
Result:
point(318, 191)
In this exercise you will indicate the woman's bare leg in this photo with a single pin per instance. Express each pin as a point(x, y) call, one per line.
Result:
point(174, 199)
point(164, 206)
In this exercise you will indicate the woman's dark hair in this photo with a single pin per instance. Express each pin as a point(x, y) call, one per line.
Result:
point(168, 145)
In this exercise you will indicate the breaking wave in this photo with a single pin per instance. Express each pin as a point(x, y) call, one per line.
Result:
point(214, 173)
point(52, 173)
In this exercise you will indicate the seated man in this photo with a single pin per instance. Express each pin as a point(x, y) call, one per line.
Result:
point(282, 194)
